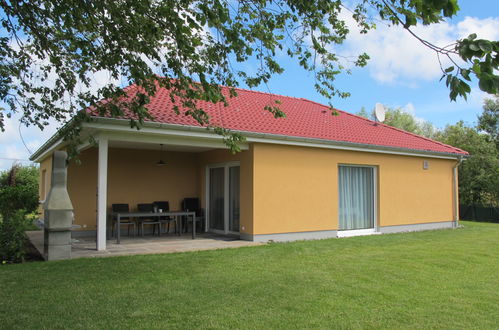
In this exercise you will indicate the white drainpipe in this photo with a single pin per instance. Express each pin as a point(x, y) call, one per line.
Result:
point(456, 192)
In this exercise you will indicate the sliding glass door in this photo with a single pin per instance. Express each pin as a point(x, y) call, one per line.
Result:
point(216, 198)
point(356, 197)
point(223, 197)
point(234, 199)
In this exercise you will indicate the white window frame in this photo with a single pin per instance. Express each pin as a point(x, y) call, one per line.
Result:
point(225, 166)
point(367, 231)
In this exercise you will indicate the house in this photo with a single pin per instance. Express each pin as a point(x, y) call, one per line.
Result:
point(309, 175)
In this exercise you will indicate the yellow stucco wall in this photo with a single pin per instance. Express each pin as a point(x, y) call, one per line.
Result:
point(296, 188)
point(283, 188)
point(82, 188)
point(44, 181)
point(133, 177)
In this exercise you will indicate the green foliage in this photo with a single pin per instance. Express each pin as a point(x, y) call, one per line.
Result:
point(401, 119)
point(482, 55)
point(363, 113)
point(482, 59)
point(18, 198)
point(50, 49)
point(488, 121)
point(479, 174)
point(19, 190)
point(13, 238)
point(232, 140)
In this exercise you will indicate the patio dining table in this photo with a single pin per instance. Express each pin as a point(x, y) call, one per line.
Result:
point(175, 214)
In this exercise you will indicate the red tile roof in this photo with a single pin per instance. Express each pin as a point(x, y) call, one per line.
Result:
point(304, 118)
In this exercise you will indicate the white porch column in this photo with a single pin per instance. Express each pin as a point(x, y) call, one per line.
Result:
point(102, 193)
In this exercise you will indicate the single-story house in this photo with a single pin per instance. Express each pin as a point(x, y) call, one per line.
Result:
point(309, 175)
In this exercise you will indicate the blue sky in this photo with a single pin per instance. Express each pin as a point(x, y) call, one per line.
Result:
point(401, 73)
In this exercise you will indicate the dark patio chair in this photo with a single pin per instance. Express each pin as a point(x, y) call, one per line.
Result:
point(165, 207)
point(124, 221)
point(154, 221)
point(194, 205)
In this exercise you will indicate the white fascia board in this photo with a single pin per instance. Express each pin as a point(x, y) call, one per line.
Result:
point(48, 151)
point(188, 131)
point(201, 136)
point(162, 133)
point(49, 146)
point(366, 148)
point(139, 136)
point(202, 132)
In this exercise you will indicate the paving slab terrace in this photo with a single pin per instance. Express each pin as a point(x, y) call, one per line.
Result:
point(84, 247)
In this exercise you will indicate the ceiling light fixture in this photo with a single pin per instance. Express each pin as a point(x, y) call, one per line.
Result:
point(161, 162)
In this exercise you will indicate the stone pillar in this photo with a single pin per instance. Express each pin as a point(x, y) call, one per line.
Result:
point(58, 212)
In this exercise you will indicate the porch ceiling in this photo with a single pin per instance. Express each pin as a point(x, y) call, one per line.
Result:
point(156, 146)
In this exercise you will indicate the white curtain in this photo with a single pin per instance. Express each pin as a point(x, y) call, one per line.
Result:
point(356, 197)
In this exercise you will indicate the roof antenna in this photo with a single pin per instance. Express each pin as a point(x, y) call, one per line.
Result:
point(379, 113)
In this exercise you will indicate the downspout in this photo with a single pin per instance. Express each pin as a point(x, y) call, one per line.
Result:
point(456, 192)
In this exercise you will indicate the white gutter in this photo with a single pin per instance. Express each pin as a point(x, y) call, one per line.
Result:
point(114, 124)
point(455, 191)
point(111, 123)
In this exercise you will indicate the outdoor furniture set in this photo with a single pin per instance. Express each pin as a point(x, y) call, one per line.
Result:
point(158, 215)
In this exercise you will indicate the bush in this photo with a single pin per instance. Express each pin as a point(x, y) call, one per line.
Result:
point(19, 190)
point(13, 238)
point(18, 197)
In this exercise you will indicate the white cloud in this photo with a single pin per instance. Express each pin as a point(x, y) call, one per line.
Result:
point(398, 57)
point(487, 28)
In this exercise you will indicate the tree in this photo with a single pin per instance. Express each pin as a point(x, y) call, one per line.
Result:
point(18, 190)
point(18, 197)
point(404, 120)
point(479, 174)
point(363, 113)
point(488, 121)
point(50, 49)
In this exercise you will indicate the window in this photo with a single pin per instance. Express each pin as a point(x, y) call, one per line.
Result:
point(356, 197)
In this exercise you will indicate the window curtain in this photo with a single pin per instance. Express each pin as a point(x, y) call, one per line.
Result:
point(356, 190)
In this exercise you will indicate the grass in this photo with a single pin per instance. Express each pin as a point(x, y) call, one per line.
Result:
point(435, 279)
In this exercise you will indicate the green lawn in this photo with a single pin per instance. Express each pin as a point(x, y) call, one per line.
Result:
point(434, 279)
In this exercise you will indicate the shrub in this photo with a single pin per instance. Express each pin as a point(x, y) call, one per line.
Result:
point(18, 197)
point(19, 190)
point(13, 238)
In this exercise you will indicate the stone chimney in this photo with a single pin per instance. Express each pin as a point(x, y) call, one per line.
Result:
point(58, 212)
